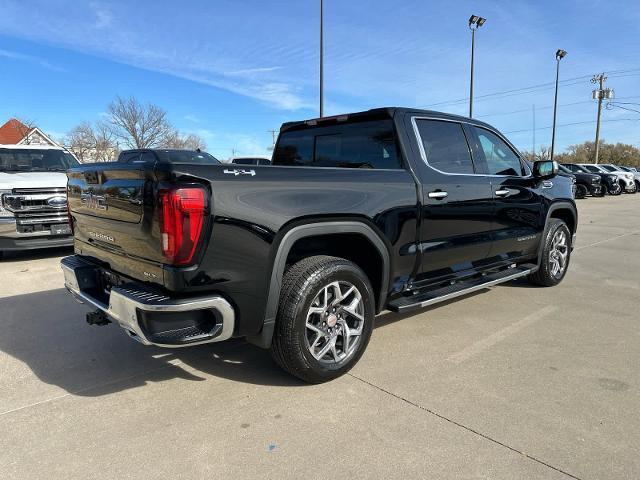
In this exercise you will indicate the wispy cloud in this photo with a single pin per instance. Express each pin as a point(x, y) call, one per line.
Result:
point(103, 16)
point(21, 57)
point(192, 118)
point(252, 71)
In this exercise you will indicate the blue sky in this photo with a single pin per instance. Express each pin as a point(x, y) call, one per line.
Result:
point(232, 70)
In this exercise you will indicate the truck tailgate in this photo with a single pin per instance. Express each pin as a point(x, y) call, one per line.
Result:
point(112, 207)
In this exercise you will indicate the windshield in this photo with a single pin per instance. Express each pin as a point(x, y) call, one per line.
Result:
point(577, 168)
point(564, 169)
point(187, 156)
point(592, 168)
point(624, 169)
point(35, 160)
point(609, 168)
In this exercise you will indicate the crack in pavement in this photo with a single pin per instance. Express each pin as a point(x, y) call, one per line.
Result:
point(465, 427)
point(622, 235)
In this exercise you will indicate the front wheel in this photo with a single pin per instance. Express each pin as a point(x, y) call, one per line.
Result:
point(556, 253)
point(614, 189)
point(325, 318)
point(581, 191)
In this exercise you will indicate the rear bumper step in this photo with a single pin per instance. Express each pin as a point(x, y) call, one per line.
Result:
point(151, 317)
point(421, 300)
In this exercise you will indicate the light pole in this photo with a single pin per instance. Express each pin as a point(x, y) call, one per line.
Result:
point(475, 22)
point(321, 58)
point(560, 54)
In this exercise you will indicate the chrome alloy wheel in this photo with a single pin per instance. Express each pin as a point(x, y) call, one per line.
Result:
point(334, 323)
point(558, 254)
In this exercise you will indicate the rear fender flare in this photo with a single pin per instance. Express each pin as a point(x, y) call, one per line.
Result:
point(263, 339)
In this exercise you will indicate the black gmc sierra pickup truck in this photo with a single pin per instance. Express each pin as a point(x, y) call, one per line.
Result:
point(391, 208)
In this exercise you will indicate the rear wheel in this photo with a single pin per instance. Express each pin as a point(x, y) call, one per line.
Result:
point(581, 191)
point(325, 318)
point(556, 254)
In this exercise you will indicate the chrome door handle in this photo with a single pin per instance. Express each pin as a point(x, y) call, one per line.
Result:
point(438, 195)
point(502, 193)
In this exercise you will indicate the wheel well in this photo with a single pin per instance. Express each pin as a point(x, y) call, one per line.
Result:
point(350, 246)
point(566, 216)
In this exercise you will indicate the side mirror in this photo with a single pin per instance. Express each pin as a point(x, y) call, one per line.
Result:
point(545, 169)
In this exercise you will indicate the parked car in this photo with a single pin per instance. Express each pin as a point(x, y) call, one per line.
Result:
point(636, 175)
point(33, 199)
point(150, 155)
point(390, 208)
point(251, 161)
point(625, 179)
point(610, 180)
point(586, 183)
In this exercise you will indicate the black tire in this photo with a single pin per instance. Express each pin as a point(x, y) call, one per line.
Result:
point(637, 185)
point(544, 276)
point(303, 283)
point(616, 192)
point(581, 191)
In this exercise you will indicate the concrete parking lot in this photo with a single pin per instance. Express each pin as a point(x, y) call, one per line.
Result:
point(513, 382)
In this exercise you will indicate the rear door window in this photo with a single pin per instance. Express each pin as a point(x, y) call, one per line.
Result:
point(445, 146)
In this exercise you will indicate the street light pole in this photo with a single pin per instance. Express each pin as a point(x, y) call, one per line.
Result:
point(560, 54)
point(321, 58)
point(475, 22)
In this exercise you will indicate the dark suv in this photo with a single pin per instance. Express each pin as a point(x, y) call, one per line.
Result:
point(586, 183)
point(608, 182)
point(392, 208)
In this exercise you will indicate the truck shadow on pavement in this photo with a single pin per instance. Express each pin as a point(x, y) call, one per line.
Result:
point(27, 255)
point(48, 333)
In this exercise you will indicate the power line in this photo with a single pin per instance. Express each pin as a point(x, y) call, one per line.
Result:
point(536, 88)
point(576, 123)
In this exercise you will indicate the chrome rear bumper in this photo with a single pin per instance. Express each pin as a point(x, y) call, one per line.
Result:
point(133, 305)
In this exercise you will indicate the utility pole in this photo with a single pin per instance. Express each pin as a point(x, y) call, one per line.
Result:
point(321, 58)
point(533, 150)
point(273, 136)
point(599, 94)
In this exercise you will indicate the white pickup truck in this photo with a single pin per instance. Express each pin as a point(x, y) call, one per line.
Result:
point(33, 197)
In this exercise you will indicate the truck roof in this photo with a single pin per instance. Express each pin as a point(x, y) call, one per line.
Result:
point(30, 147)
point(380, 113)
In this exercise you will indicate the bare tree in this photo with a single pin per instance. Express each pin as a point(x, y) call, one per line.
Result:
point(136, 125)
point(23, 127)
point(81, 141)
point(92, 144)
point(179, 141)
point(106, 146)
point(544, 153)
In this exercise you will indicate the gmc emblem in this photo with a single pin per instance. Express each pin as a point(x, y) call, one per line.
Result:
point(93, 201)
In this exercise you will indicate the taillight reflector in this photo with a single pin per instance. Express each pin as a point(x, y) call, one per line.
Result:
point(69, 215)
point(182, 213)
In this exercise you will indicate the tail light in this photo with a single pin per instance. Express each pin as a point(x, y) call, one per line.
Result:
point(182, 212)
point(69, 217)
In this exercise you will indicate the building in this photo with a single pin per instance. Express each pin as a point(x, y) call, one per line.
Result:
point(14, 132)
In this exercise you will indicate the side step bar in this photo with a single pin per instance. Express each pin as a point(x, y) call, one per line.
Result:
point(421, 300)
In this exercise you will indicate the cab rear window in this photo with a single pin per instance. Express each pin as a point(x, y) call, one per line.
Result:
point(370, 144)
